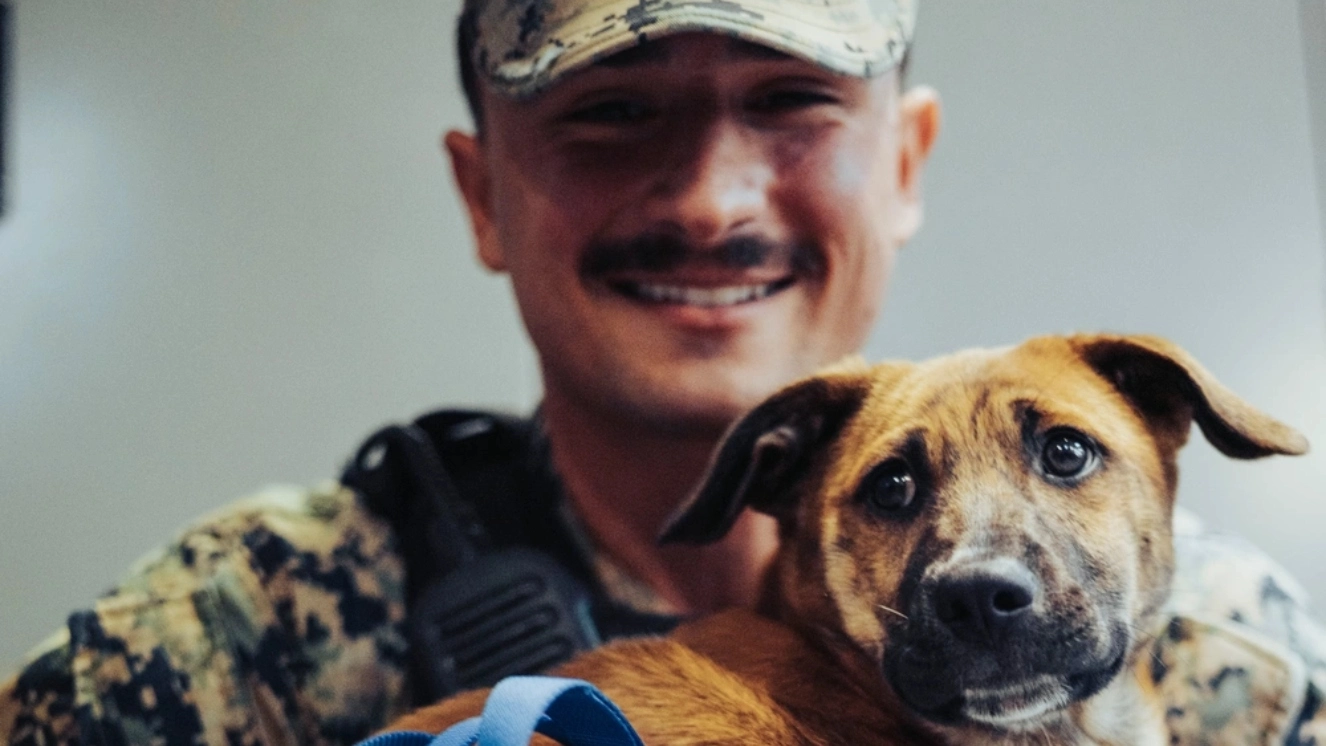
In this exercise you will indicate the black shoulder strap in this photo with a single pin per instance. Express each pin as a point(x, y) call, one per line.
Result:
point(400, 476)
point(503, 470)
point(503, 475)
point(474, 490)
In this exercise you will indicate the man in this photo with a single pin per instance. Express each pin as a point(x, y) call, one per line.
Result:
point(696, 203)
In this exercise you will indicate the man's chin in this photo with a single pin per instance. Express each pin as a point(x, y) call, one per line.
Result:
point(696, 403)
point(683, 414)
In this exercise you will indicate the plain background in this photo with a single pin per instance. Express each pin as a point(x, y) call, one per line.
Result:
point(231, 247)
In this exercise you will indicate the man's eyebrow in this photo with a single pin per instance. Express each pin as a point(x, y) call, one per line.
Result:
point(653, 53)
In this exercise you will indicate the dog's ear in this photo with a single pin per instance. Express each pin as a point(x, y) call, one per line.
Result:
point(1171, 389)
point(766, 453)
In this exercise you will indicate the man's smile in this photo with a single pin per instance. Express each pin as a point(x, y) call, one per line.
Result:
point(704, 296)
point(663, 271)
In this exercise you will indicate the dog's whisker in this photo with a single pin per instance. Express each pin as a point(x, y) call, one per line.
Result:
point(893, 611)
point(1156, 656)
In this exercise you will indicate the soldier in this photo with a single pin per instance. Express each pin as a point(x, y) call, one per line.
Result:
point(696, 202)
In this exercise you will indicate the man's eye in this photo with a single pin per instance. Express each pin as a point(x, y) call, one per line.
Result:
point(617, 111)
point(790, 100)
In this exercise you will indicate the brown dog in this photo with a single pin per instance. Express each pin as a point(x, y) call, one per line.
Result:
point(975, 550)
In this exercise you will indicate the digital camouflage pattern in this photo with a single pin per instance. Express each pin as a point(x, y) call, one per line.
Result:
point(522, 46)
point(279, 621)
point(1241, 661)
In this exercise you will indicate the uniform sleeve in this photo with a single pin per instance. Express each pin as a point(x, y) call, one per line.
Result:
point(37, 703)
point(1242, 660)
point(277, 621)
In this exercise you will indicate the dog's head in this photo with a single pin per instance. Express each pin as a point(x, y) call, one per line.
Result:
point(990, 531)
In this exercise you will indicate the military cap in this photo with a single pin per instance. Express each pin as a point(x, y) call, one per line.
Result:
point(522, 46)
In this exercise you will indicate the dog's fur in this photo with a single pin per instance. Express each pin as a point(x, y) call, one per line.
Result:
point(1000, 603)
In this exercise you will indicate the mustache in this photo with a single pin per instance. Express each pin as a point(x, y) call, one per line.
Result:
point(665, 252)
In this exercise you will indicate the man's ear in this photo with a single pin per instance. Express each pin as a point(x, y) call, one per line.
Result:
point(1171, 389)
point(919, 127)
point(768, 452)
point(471, 175)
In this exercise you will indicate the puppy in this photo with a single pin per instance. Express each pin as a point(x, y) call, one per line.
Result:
point(974, 550)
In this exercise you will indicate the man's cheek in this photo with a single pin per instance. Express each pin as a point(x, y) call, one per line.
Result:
point(539, 231)
point(848, 173)
point(838, 193)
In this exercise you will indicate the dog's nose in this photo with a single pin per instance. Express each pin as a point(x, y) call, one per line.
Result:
point(982, 604)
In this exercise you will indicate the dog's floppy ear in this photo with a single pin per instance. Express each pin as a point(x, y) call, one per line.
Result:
point(1171, 389)
point(765, 454)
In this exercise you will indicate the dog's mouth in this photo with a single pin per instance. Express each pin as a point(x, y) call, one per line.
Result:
point(1002, 700)
point(1017, 706)
point(1028, 704)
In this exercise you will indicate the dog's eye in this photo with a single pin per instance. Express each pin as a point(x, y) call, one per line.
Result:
point(1067, 454)
point(890, 487)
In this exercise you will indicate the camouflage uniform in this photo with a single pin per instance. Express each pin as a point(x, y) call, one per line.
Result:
point(279, 621)
point(276, 621)
point(1240, 660)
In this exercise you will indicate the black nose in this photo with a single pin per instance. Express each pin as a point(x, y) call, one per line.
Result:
point(983, 604)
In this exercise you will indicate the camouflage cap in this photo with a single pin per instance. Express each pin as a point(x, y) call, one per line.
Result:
point(522, 46)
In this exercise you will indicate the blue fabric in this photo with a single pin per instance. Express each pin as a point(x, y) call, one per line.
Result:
point(569, 710)
point(399, 738)
point(464, 733)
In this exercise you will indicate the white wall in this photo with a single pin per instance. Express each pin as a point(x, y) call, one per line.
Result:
point(233, 247)
point(1312, 25)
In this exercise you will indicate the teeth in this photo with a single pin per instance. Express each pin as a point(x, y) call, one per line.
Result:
point(1016, 706)
point(705, 297)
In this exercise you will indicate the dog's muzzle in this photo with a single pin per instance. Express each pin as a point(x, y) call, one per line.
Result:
point(984, 642)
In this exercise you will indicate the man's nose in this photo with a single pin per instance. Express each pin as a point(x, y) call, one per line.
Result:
point(717, 181)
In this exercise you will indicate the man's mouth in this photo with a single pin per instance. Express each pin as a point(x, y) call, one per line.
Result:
point(719, 296)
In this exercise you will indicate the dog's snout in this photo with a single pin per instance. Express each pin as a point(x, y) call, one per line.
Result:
point(983, 604)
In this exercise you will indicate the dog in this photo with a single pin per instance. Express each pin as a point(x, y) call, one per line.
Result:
point(974, 550)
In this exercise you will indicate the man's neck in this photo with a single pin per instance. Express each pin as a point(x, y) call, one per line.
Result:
point(624, 482)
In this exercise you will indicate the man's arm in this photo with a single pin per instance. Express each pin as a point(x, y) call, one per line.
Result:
point(1242, 661)
point(37, 703)
point(275, 621)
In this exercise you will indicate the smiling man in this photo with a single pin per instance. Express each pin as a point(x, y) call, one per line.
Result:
point(696, 203)
point(688, 224)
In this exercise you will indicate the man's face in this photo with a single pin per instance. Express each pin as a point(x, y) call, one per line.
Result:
point(691, 224)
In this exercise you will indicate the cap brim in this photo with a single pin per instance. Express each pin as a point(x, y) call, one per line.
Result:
point(845, 36)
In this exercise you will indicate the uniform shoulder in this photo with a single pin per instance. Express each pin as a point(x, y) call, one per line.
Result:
point(266, 529)
point(36, 703)
point(1242, 656)
point(292, 597)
